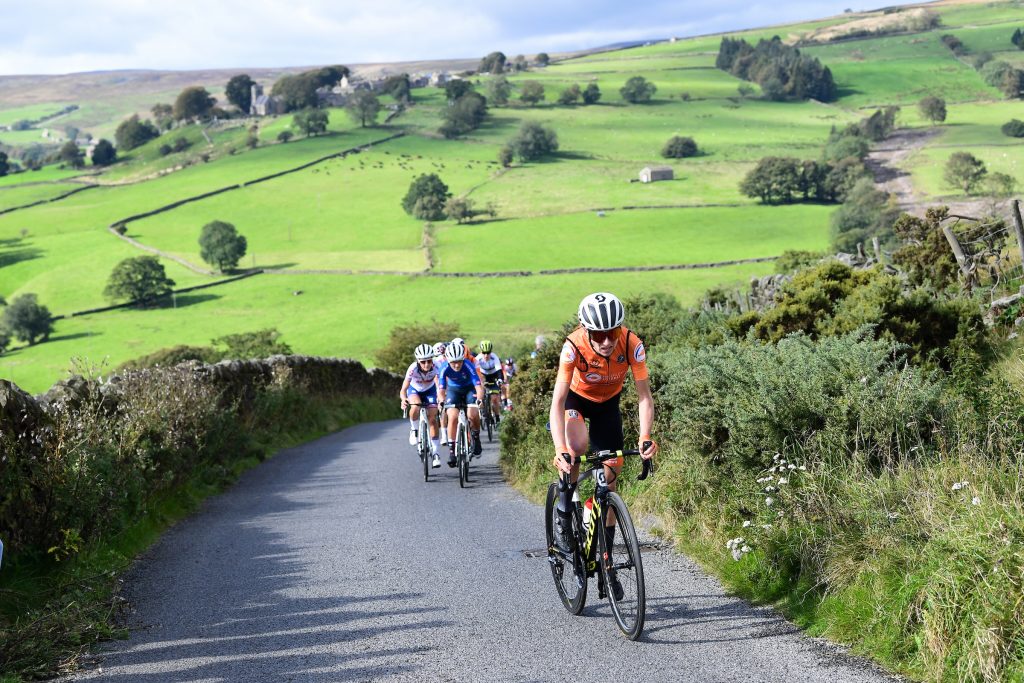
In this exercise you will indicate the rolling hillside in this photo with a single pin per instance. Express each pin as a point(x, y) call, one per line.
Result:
point(344, 255)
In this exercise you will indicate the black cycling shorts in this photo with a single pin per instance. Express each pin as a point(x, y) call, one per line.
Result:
point(605, 421)
point(491, 380)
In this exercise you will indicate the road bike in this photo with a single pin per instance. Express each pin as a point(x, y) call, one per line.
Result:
point(620, 567)
point(487, 415)
point(423, 443)
point(462, 445)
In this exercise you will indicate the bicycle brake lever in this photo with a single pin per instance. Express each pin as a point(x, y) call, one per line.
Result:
point(647, 471)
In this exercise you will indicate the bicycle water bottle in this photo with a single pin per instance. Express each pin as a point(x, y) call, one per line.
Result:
point(588, 515)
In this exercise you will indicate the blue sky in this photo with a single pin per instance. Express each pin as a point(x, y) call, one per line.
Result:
point(56, 36)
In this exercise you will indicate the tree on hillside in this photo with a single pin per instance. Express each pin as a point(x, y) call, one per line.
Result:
point(519, 63)
point(542, 59)
point(464, 115)
point(163, 115)
point(103, 154)
point(965, 171)
point(679, 147)
point(456, 88)
point(866, 213)
point(1018, 39)
point(220, 245)
point(773, 180)
point(533, 141)
point(311, 121)
point(71, 155)
point(398, 87)
point(459, 209)
point(426, 197)
point(141, 279)
point(239, 91)
point(933, 108)
point(297, 91)
point(638, 90)
point(394, 355)
point(5, 165)
point(493, 63)
point(498, 91)
point(27, 320)
point(328, 76)
point(363, 106)
point(505, 156)
point(531, 92)
point(570, 95)
point(1013, 128)
point(591, 94)
point(193, 103)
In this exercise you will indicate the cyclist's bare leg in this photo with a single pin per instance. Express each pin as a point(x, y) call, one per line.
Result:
point(496, 404)
point(414, 409)
point(452, 417)
point(432, 420)
point(474, 417)
point(577, 439)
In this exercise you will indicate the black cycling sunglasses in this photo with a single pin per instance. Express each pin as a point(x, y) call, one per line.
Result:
point(601, 336)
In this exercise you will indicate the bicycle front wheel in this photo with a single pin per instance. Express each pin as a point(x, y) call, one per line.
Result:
point(425, 450)
point(623, 572)
point(568, 573)
point(461, 454)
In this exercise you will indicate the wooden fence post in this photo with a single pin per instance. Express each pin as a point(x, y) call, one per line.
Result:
point(1018, 228)
point(958, 251)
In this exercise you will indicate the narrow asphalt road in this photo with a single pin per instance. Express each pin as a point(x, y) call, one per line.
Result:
point(334, 561)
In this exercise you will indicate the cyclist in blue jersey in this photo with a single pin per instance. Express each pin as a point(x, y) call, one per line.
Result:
point(419, 392)
point(458, 382)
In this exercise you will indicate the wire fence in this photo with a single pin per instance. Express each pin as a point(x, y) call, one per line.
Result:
point(989, 252)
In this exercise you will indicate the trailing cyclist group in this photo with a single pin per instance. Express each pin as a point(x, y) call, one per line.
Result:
point(450, 375)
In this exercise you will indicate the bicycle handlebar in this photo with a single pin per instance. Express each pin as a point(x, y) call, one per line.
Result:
point(600, 457)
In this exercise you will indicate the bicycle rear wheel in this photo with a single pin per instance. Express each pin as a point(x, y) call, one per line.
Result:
point(570, 577)
point(627, 567)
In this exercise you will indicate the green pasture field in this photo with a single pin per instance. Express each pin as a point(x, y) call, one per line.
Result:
point(309, 219)
point(29, 112)
point(32, 136)
point(20, 195)
point(927, 166)
point(993, 38)
point(974, 14)
point(633, 238)
point(46, 174)
point(348, 316)
point(68, 271)
point(973, 123)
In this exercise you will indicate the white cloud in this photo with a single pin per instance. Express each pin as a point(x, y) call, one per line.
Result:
point(60, 37)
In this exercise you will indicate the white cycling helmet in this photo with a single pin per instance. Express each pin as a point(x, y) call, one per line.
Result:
point(601, 311)
point(455, 351)
point(439, 348)
point(459, 340)
point(424, 352)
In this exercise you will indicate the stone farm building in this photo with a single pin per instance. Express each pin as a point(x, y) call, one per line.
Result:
point(263, 105)
point(650, 174)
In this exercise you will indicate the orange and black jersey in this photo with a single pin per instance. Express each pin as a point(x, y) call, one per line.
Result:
point(595, 377)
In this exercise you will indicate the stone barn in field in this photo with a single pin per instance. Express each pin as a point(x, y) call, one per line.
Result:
point(650, 174)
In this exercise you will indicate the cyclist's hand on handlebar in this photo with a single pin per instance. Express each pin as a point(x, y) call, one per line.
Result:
point(561, 464)
point(648, 447)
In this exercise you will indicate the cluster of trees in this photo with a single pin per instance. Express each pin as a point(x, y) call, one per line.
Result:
point(497, 63)
point(398, 87)
point(311, 122)
point(181, 143)
point(5, 164)
point(1008, 78)
point(968, 173)
point(429, 199)
point(134, 132)
point(783, 180)
point(24, 319)
point(533, 141)
point(574, 94)
point(299, 91)
point(464, 114)
point(954, 44)
point(638, 90)
point(363, 106)
point(781, 71)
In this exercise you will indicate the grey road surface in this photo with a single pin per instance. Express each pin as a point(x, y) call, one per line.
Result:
point(334, 561)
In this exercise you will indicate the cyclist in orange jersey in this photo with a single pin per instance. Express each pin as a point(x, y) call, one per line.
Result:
point(592, 368)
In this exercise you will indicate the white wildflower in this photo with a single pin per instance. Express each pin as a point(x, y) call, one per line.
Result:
point(783, 480)
point(793, 467)
point(746, 523)
point(745, 549)
point(737, 554)
point(769, 489)
point(780, 514)
point(768, 501)
point(802, 468)
point(766, 527)
point(893, 515)
point(957, 486)
point(975, 501)
point(777, 456)
point(864, 380)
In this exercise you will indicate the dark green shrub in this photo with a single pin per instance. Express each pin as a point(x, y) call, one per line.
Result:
point(1013, 128)
point(396, 355)
point(679, 147)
